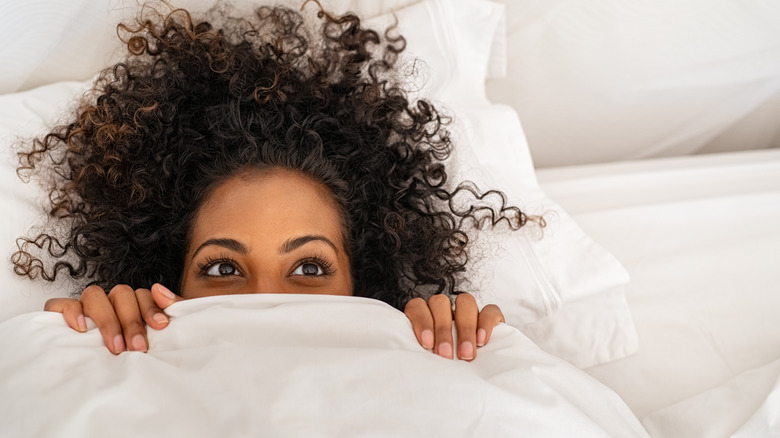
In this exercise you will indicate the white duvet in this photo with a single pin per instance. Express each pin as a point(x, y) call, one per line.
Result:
point(271, 365)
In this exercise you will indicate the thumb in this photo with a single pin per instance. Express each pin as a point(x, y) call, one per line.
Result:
point(163, 296)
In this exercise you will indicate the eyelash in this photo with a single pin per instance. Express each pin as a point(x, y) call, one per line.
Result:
point(209, 262)
point(203, 268)
point(326, 266)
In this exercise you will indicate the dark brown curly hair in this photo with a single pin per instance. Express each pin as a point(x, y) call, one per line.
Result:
point(196, 102)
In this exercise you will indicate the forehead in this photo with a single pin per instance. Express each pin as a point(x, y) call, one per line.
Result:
point(268, 206)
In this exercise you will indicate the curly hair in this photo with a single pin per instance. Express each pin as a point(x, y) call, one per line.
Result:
point(195, 103)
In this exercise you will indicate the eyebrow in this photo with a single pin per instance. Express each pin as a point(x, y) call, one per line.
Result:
point(288, 246)
point(293, 244)
point(231, 244)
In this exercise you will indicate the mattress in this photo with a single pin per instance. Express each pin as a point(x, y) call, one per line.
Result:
point(700, 237)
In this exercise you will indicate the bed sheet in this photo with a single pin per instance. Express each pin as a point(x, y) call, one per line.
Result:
point(700, 237)
point(291, 365)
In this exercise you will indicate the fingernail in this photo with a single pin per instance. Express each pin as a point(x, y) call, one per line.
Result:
point(119, 344)
point(160, 318)
point(427, 339)
point(445, 350)
point(167, 292)
point(82, 323)
point(481, 337)
point(139, 344)
point(467, 351)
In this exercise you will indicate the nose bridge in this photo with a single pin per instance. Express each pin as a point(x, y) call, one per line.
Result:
point(267, 284)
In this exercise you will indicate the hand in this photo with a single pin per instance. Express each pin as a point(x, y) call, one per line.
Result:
point(432, 324)
point(119, 315)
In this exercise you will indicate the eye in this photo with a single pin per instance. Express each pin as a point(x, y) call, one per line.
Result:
point(220, 269)
point(309, 269)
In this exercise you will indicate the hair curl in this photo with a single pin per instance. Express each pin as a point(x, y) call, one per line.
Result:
point(195, 103)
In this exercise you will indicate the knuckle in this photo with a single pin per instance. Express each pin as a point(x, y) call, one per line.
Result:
point(496, 312)
point(423, 324)
point(134, 326)
point(439, 300)
point(91, 291)
point(491, 315)
point(145, 300)
point(444, 333)
point(121, 289)
point(413, 304)
point(108, 325)
point(464, 299)
point(63, 305)
point(53, 303)
point(444, 326)
point(464, 324)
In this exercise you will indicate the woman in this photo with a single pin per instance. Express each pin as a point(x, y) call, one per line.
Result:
point(252, 155)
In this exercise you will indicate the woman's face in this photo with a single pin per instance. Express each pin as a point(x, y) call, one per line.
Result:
point(267, 231)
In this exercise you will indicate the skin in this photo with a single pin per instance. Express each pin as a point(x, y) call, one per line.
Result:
point(267, 230)
point(292, 244)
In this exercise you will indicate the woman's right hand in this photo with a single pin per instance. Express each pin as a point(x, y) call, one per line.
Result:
point(119, 315)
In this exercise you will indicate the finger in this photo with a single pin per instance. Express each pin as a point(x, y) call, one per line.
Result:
point(466, 315)
point(71, 310)
point(99, 309)
point(122, 297)
point(422, 321)
point(150, 311)
point(163, 296)
point(441, 310)
point(489, 317)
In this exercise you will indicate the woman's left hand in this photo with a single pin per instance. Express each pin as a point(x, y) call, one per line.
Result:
point(432, 324)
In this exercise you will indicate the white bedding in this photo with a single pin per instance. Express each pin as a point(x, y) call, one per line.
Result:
point(700, 237)
point(535, 281)
point(612, 80)
point(274, 365)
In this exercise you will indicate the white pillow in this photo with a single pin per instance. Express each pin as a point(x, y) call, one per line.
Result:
point(56, 41)
point(556, 284)
point(608, 80)
point(23, 115)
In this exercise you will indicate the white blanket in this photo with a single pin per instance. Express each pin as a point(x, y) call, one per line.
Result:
point(270, 365)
